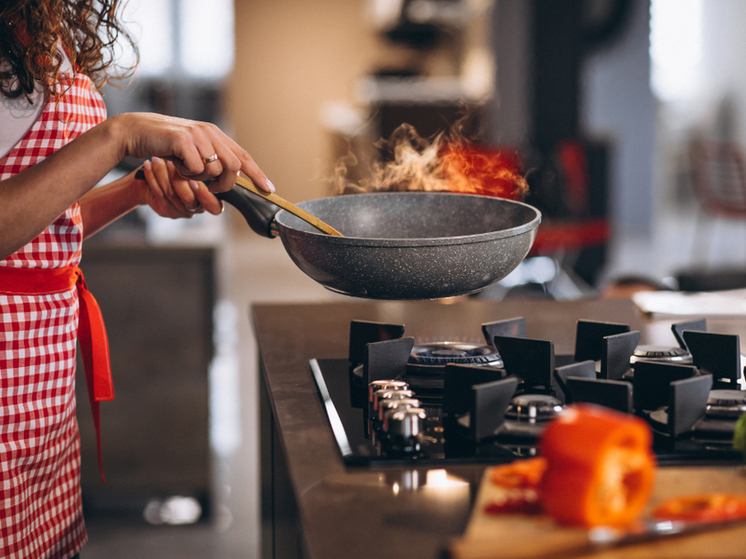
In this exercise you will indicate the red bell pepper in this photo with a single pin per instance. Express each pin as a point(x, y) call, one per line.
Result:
point(600, 467)
point(524, 502)
point(521, 474)
point(707, 507)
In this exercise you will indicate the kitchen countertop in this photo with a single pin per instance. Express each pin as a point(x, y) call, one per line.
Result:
point(314, 506)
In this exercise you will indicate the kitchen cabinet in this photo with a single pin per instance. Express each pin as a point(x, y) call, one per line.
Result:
point(157, 304)
point(315, 506)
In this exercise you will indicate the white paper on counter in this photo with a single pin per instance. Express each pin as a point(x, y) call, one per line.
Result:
point(712, 303)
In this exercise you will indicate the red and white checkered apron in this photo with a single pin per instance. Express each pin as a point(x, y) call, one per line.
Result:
point(41, 513)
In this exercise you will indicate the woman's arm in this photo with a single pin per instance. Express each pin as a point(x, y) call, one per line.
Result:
point(103, 205)
point(32, 199)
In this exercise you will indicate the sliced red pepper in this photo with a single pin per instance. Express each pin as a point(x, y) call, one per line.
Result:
point(521, 474)
point(600, 467)
point(707, 507)
point(523, 502)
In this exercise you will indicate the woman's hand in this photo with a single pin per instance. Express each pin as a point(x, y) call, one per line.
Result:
point(198, 150)
point(171, 195)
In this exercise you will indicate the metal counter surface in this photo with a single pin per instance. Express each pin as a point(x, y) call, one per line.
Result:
point(312, 505)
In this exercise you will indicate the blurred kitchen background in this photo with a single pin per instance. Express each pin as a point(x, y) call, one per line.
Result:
point(626, 116)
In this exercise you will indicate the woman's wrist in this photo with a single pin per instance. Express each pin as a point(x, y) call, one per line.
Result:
point(138, 189)
point(109, 202)
point(117, 128)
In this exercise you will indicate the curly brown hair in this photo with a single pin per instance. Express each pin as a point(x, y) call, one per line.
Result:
point(36, 34)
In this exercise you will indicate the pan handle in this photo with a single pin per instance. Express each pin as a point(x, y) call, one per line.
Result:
point(258, 213)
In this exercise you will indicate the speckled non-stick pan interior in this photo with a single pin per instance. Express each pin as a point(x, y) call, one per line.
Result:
point(410, 245)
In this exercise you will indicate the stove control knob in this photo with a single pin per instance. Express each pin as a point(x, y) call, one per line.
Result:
point(389, 384)
point(385, 406)
point(387, 394)
point(404, 423)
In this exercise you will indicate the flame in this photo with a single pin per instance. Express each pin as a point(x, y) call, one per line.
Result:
point(447, 163)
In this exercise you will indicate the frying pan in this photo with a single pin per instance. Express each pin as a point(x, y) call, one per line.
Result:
point(400, 245)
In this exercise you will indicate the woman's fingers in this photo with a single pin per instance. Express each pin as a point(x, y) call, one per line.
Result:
point(170, 195)
point(176, 189)
point(234, 159)
point(222, 159)
point(252, 170)
point(163, 176)
point(182, 190)
point(207, 200)
point(192, 147)
point(194, 195)
point(226, 168)
point(157, 198)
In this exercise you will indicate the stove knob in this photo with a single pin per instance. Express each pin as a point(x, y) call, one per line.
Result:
point(387, 394)
point(387, 405)
point(389, 384)
point(404, 423)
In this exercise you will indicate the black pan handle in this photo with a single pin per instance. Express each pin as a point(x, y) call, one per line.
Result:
point(258, 213)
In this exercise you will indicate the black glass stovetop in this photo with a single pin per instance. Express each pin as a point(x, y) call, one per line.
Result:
point(445, 440)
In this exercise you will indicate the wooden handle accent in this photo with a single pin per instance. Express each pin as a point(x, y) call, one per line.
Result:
point(285, 205)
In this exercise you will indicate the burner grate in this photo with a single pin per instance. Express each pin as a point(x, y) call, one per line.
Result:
point(490, 401)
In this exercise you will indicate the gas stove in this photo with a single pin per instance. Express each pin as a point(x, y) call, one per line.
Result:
point(397, 401)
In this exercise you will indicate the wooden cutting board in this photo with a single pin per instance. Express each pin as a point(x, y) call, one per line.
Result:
point(490, 536)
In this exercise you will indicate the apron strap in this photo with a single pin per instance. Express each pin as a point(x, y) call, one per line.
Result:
point(94, 344)
point(94, 347)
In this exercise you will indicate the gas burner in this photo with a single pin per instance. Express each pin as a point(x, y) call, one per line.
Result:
point(726, 404)
point(533, 408)
point(527, 416)
point(662, 354)
point(426, 357)
point(430, 360)
point(426, 366)
point(722, 410)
